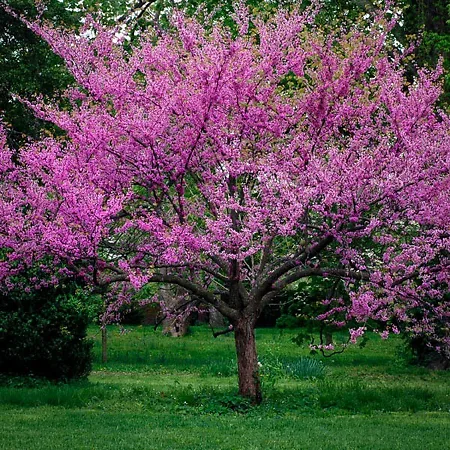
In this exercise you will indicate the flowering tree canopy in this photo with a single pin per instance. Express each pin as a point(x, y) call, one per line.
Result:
point(235, 162)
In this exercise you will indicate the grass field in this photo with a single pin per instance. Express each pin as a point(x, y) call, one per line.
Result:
point(163, 393)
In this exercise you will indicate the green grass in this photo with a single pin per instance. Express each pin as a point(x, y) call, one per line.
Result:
point(158, 392)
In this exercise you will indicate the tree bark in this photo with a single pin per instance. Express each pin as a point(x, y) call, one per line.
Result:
point(216, 319)
point(247, 359)
point(175, 325)
point(104, 344)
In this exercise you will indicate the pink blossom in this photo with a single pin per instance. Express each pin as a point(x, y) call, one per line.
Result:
point(355, 333)
point(234, 165)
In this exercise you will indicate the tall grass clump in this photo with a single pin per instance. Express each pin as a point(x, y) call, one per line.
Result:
point(305, 368)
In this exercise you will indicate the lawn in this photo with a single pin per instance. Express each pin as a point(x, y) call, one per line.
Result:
point(158, 392)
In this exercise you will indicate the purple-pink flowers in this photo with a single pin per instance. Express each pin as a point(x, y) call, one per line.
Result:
point(235, 165)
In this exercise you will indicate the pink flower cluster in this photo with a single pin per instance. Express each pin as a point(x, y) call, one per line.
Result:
point(235, 165)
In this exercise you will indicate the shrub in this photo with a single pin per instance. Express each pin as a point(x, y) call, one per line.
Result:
point(43, 333)
point(289, 321)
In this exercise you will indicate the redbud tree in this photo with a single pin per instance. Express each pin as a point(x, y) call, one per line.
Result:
point(235, 162)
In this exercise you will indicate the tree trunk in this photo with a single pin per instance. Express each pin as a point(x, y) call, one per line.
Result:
point(176, 326)
point(247, 360)
point(216, 319)
point(177, 322)
point(104, 344)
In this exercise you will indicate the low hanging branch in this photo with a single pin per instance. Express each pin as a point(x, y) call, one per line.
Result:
point(222, 332)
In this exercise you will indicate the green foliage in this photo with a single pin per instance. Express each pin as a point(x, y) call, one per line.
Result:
point(28, 67)
point(43, 333)
point(305, 299)
point(423, 348)
point(289, 321)
point(304, 303)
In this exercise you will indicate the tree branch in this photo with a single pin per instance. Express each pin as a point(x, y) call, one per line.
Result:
point(267, 285)
point(194, 288)
point(311, 272)
point(327, 272)
point(141, 6)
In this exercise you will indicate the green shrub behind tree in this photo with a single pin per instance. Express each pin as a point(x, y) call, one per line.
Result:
point(43, 333)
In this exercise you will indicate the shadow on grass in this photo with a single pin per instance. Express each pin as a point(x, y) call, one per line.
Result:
point(320, 396)
point(73, 395)
point(357, 397)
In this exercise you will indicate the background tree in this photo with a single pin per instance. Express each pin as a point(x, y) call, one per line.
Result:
point(29, 67)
